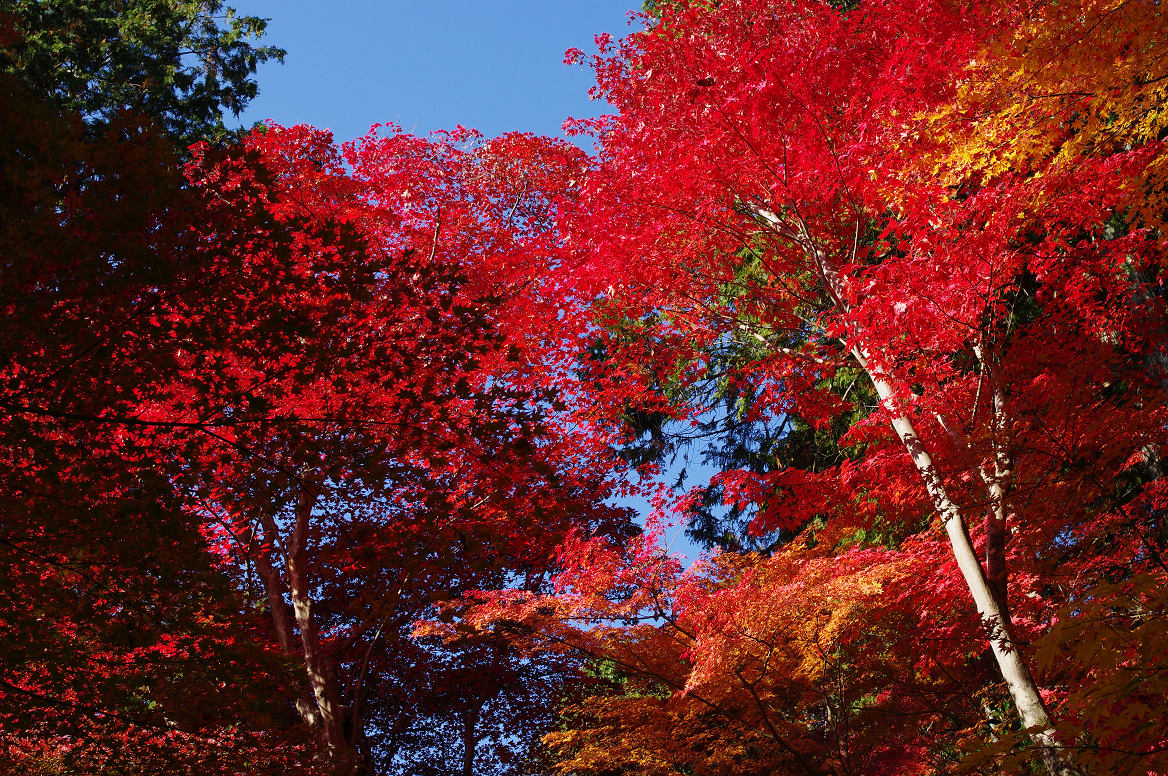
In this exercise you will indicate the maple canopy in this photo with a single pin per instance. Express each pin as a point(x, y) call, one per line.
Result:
point(845, 215)
point(278, 415)
point(311, 450)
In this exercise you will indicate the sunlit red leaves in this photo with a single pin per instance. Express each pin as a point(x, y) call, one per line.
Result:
point(762, 189)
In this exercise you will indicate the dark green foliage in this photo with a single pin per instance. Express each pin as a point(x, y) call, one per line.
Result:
point(182, 63)
point(733, 431)
point(735, 440)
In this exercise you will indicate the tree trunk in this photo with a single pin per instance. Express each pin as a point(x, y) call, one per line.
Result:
point(470, 740)
point(274, 590)
point(1021, 685)
point(321, 678)
point(996, 517)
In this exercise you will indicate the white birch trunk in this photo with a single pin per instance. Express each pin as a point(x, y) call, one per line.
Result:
point(998, 515)
point(1020, 683)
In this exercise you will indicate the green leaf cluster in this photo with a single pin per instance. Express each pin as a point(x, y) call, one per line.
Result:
point(183, 63)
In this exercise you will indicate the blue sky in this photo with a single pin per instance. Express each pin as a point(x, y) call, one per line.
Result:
point(495, 65)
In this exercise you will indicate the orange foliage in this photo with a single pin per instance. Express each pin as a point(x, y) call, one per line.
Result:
point(1061, 82)
point(741, 664)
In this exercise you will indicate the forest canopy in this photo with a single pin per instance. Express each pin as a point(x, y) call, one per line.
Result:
point(319, 457)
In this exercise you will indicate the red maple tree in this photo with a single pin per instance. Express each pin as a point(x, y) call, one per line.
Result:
point(768, 185)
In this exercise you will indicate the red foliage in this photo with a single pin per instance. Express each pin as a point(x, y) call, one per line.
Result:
point(767, 182)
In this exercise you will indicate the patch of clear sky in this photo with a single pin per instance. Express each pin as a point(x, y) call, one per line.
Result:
point(493, 65)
